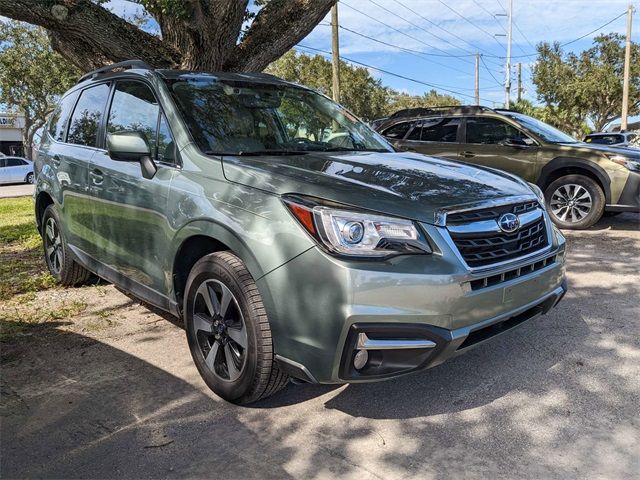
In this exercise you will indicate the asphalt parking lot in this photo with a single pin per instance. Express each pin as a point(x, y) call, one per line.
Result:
point(114, 394)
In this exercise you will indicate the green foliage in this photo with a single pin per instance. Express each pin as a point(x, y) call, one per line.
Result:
point(32, 75)
point(359, 91)
point(399, 101)
point(577, 88)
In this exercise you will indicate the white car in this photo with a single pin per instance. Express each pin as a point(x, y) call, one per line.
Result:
point(16, 170)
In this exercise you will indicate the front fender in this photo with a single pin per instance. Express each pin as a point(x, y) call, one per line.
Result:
point(592, 167)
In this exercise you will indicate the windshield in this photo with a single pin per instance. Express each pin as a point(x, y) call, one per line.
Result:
point(543, 130)
point(238, 117)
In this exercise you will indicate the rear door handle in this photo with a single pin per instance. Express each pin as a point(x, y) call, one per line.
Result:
point(468, 154)
point(97, 176)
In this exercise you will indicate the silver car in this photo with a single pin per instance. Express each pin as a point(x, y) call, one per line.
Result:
point(16, 170)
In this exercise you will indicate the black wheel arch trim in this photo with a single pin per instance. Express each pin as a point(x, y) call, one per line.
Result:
point(559, 163)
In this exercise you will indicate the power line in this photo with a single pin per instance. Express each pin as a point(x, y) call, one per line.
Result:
point(431, 85)
point(415, 53)
point(470, 22)
point(406, 35)
point(419, 27)
point(490, 73)
point(572, 41)
point(440, 27)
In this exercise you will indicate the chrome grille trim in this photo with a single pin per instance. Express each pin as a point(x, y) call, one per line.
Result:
point(455, 233)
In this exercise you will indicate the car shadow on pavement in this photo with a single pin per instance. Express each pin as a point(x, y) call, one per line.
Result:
point(622, 222)
point(73, 407)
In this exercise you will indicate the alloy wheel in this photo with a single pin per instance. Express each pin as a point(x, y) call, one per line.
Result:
point(220, 329)
point(53, 246)
point(571, 203)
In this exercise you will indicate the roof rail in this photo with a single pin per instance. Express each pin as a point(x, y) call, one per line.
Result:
point(115, 66)
point(419, 111)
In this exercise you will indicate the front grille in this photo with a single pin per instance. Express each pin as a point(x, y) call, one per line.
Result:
point(482, 248)
point(490, 213)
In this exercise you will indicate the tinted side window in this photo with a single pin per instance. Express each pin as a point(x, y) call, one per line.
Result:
point(415, 133)
point(85, 121)
point(490, 131)
point(3, 163)
point(15, 162)
point(59, 119)
point(134, 107)
point(398, 131)
point(440, 130)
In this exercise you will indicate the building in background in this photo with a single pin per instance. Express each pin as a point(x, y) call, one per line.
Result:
point(11, 127)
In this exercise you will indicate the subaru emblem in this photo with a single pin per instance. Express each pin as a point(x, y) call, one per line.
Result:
point(509, 223)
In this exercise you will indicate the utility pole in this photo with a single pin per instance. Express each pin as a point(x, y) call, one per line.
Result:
point(627, 67)
point(477, 78)
point(335, 50)
point(519, 82)
point(507, 73)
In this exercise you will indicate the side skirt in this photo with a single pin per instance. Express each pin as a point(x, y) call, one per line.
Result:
point(137, 289)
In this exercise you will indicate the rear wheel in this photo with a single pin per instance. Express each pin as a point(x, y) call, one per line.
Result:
point(56, 252)
point(228, 330)
point(575, 201)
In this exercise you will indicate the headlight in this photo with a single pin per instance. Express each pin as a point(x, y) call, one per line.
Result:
point(360, 234)
point(632, 164)
point(538, 192)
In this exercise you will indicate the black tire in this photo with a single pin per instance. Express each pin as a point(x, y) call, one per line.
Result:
point(253, 374)
point(575, 202)
point(56, 252)
point(29, 178)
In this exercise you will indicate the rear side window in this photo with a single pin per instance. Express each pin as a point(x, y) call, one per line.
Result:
point(15, 162)
point(443, 130)
point(398, 131)
point(59, 119)
point(490, 131)
point(85, 121)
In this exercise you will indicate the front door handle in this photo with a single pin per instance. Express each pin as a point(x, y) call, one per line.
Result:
point(468, 154)
point(96, 176)
point(55, 160)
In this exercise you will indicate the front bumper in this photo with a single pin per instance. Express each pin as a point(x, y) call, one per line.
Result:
point(317, 304)
point(629, 200)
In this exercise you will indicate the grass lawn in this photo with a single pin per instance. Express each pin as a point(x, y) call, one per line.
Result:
point(23, 273)
point(22, 266)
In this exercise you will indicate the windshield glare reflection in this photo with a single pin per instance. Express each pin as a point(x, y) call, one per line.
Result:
point(238, 117)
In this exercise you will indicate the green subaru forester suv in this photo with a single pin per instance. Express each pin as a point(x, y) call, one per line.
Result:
point(291, 238)
point(581, 181)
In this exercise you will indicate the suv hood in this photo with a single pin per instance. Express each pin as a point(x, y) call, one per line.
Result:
point(408, 185)
point(583, 147)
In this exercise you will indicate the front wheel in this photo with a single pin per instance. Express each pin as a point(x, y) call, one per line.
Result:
point(30, 178)
point(575, 201)
point(228, 330)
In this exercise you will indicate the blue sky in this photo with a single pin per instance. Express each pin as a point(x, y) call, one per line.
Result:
point(443, 36)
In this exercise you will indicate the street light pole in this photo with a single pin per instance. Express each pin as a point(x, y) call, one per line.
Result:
point(507, 80)
point(335, 51)
point(477, 97)
point(627, 67)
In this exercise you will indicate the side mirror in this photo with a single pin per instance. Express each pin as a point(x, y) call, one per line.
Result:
point(515, 142)
point(131, 146)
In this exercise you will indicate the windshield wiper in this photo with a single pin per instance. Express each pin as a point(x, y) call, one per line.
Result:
point(258, 152)
point(345, 149)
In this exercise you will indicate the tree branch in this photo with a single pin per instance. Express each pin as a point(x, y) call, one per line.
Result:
point(278, 26)
point(89, 35)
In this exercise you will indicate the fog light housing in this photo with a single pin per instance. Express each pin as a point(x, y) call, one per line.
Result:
point(360, 360)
